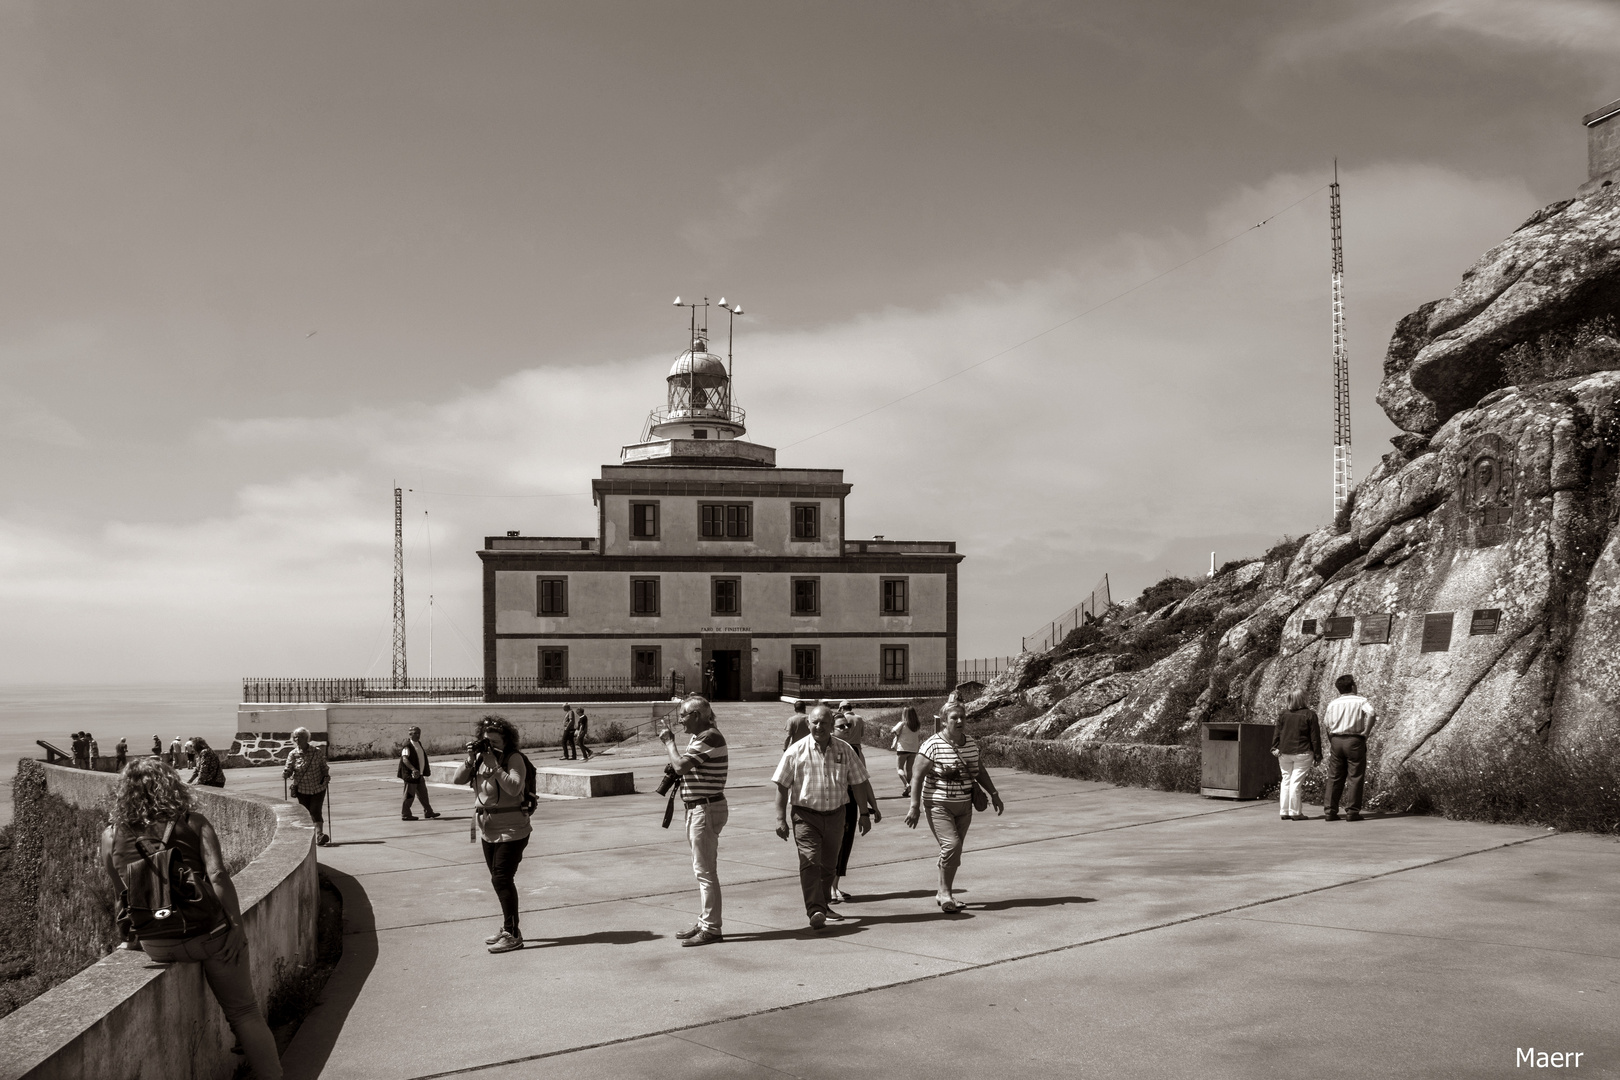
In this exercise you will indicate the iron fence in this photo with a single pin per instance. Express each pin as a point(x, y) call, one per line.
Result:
point(459, 688)
point(917, 684)
point(983, 669)
point(1091, 608)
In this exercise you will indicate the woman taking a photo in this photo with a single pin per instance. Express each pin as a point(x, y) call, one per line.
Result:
point(496, 771)
point(943, 778)
point(151, 808)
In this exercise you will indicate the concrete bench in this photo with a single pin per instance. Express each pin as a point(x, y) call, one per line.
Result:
point(584, 783)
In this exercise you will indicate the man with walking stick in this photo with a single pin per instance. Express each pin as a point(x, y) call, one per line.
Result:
point(306, 764)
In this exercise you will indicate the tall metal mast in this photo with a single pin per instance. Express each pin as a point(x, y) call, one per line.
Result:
point(1341, 361)
point(399, 590)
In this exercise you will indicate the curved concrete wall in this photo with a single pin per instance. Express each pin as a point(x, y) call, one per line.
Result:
point(127, 1017)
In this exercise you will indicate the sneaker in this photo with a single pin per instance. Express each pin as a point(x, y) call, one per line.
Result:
point(432, 814)
point(692, 933)
point(836, 898)
point(1331, 815)
point(323, 840)
point(496, 936)
point(835, 917)
point(506, 943)
point(1354, 815)
point(703, 937)
point(409, 817)
point(818, 919)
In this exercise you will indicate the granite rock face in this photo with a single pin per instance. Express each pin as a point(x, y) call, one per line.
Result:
point(1561, 268)
point(1472, 588)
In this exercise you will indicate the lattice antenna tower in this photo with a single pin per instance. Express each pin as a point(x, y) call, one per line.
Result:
point(399, 590)
point(1341, 360)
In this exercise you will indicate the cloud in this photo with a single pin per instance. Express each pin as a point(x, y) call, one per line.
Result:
point(1586, 29)
point(1193, 413)
point(27, 419)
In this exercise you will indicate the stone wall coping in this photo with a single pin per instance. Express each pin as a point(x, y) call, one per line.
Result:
point(98, 1022)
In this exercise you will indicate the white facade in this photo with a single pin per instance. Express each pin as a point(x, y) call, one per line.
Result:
point(709, 558)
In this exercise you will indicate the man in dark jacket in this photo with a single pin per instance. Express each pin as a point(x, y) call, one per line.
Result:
point(414, 769)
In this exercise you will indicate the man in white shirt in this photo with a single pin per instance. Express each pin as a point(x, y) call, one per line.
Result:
point(1349, 720)
point(815, 777)
point(414, 770)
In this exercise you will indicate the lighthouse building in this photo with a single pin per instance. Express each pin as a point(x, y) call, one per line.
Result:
point(712, 568)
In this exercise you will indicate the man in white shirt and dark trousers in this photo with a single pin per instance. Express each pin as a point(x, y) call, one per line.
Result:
point(414, 770)
point(1349, 720)
point(816, 777)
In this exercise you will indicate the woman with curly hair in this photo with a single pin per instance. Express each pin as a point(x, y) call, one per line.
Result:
point(149, 802)
point(496, 772)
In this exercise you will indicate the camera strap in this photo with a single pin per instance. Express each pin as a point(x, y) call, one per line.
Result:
point(669, 807)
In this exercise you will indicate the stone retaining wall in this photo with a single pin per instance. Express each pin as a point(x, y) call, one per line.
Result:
point(369, 729)
point(127, 1017)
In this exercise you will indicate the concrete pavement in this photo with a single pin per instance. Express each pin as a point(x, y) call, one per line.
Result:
point(1111, 932)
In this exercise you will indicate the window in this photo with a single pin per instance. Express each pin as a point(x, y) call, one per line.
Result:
point(895, 600)
point(700, 433)
point(553, 595)
point(646, 665)
point(726, 521)
point(553, 667)
point(644, 521)
point(644, 596)
point(807, 596)
point(807, 521)
point(807, 663)
point(894, 663)
point(726, 593)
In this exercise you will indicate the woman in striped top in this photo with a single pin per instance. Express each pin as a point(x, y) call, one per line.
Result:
point(942, 780)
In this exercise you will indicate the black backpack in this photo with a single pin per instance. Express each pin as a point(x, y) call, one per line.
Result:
point(164, 896)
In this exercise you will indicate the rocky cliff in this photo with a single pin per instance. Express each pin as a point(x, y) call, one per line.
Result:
point(1472, 586)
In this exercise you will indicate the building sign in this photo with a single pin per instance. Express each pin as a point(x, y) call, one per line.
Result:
point(1437, 631)
point(1375, 629)
point(1342, 627)
point(726, 630)
point(1485, 621)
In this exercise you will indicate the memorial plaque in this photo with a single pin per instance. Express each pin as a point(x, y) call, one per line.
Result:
point(1437, 631)
point(1375, 629)
point(1342, 627)
point(1308, 627)
point(1485, 621)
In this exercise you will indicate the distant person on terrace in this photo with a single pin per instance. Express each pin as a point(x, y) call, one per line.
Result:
point(306, 764)
point(208, 772)
point(1349, 720)
point(1296, 743)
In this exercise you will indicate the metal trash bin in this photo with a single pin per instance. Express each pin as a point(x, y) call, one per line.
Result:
point(1237, 761)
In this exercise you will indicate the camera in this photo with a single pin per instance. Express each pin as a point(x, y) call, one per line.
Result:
point(670, 780)
point(480, 746)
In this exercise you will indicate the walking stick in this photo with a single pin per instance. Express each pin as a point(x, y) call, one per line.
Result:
point(327, 796)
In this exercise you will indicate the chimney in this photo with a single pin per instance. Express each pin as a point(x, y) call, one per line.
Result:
point(1602, 148)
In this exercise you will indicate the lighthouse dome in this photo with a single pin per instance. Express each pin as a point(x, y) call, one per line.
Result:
point(698, 361)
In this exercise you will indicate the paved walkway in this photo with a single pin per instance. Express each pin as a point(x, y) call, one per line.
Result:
point(1111, 932)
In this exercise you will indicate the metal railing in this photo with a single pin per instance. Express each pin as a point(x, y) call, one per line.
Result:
point(982, 669)
point(1091, 608)
point(724, 412)
point(914, 685)
point(461, 688)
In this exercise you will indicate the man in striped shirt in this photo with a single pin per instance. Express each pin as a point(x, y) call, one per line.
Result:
point(703, 789)
point(816, 776)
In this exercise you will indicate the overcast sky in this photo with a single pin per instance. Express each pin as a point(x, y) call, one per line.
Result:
point(261, 260)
